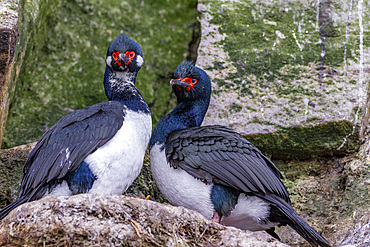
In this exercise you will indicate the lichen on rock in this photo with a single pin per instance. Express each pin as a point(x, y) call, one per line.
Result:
point(11, 172)
point(272, 76)
point(64, 63)
point(8, 40)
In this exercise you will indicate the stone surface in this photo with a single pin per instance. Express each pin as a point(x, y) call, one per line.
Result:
point(64, 62)
point(360, 237)
point(11, 171)
point(111, 220)
point(30, 18)
point(291, 76)
point(331, 194)
point(8, 37)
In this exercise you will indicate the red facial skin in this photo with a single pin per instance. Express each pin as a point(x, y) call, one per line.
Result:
point(188, 81)
point(129, 54)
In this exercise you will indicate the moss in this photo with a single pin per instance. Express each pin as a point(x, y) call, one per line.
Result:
point(357, 190)
point(269, 33)
point(235, 107)
point(64, 63)
point(217, 65)
point(331, 187)
point(274, 48)
point(7, 5)
point(304, 142)
point(11, 172)
point(331, 194)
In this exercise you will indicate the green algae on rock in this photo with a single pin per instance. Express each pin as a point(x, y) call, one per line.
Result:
point(288, 69)
point(65, 62)
point(8, 38)
point(11, 172)
point(331, 194)
point(303, 142)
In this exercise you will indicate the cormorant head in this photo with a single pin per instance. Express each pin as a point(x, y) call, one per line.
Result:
point(191, 83)
point(124, 55)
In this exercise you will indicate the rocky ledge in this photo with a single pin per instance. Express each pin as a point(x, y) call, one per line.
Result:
point(110, 220)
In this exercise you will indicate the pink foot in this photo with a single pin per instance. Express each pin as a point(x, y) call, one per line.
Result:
point(216, 217)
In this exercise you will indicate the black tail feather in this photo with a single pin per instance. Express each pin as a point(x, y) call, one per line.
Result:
point(306, 231)
point(287, 215)
point(7, 209)
point(272, 233)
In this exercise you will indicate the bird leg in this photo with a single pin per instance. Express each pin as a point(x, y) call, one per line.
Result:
point(216, 217)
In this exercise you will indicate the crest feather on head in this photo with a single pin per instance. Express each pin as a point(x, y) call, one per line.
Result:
point(185, 69)
point(123, 43)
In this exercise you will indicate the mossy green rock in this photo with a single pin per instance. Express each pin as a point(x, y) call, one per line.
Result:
point(11, 172)
point(8, 37)
point(291, 76)
point(331, 194)
point(65, 61)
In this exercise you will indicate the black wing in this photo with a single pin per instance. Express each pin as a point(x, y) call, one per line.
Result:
point(68, 142)
point(218, 154)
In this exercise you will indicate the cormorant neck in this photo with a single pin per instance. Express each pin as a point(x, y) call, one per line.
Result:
point(189, 114)
point(120, 86)
point(185, 115)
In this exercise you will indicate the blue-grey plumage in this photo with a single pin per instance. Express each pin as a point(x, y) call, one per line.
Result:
point(97, 149)
point(214, 170)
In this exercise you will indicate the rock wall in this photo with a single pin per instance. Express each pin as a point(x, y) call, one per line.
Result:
point(24, 18)
point(291, 76)
point(64, 62)
point(11, 172)
point(8, 37)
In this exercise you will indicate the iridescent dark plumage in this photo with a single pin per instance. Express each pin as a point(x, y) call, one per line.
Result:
point(86, 151)
point(214, 170)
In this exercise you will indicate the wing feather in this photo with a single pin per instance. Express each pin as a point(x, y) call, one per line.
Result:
point(218, 154)
point(68, 142)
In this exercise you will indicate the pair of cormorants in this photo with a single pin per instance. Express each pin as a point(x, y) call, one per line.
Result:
point(210, 169)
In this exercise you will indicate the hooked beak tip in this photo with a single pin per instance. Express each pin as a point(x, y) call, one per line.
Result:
point(123, 58)
point(174, 81)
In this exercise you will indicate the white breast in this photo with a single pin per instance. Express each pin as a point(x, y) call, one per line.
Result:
point(178, 186)
point(118, 162)
point(182, 189)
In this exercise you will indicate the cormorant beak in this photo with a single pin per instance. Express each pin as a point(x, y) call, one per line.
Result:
point(122, 58)
point(179, 82)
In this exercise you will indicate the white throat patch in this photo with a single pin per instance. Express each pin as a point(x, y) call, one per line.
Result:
point(125, 76)
point(139, 61)
point(109, 61)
